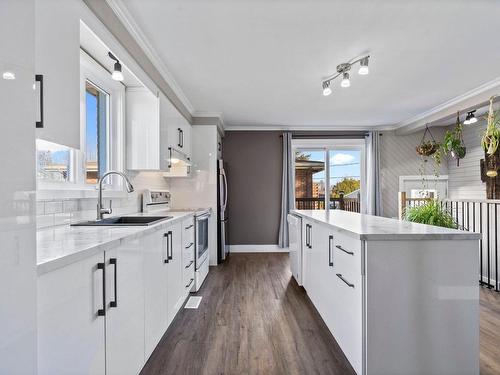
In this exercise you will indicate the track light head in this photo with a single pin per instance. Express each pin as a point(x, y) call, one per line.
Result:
point(326, 88)
point(363, 69)
point(346, 82)
point(117, 74)
point(470, 118)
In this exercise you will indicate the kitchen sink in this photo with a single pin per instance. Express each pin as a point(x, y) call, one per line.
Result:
point(123, 221)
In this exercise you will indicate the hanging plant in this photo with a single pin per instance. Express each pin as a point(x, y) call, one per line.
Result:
point(427, 147)
point(453, 142)
point(491, 136)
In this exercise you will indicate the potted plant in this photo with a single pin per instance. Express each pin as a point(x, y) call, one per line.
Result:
point(453, 143)
point(490, 141)
point(431, 213)
point(427, 147)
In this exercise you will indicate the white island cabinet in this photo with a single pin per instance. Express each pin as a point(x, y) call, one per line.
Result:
point(399, 298)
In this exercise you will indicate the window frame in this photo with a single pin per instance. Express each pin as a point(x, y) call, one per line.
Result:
point(327, 145)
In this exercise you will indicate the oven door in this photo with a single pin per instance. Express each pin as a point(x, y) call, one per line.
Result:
point(201, 239)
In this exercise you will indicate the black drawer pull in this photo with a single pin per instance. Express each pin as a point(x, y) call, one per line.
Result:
point(344, 250)
point(102, 312)
point(330, 260)
point(114, 262)
point(189, 265)
point(191, 244)
point(190, 282)
point(339, 275)
point(166, 245)
point(189, 227)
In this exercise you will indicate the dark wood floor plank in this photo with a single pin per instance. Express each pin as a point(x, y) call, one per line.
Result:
point(255, 319)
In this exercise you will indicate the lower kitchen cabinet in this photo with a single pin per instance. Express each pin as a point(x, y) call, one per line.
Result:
point(125, 308)
point(71, 333)
point(105, 314)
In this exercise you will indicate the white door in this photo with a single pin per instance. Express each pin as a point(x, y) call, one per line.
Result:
point(175, 284)
point(70, 319)
point(125, 309)
point(155, 290)
point(421, 186)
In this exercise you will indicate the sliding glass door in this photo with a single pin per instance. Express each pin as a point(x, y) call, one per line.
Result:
point(329, 174)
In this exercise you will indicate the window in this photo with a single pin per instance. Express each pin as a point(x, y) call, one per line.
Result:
point(53, 162)
point(329, 174)
point(96, 132)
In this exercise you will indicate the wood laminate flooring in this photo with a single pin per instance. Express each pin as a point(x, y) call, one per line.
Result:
point(255, 319)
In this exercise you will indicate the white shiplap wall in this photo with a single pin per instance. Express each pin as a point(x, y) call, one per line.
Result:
point(465, 180)
point(398, 158)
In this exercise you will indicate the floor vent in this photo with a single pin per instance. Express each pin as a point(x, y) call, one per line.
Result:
point(193, 303)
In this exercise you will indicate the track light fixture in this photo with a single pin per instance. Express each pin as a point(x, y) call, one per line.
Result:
point(343, 70)
point(117, 69)
point(470, 118)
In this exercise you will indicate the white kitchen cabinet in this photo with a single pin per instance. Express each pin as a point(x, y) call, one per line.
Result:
point(188, 246)
point(175, 282)
point(125, 308)
point(57, 58)
point(143, 130)
point(155, 289)
point(71, 324)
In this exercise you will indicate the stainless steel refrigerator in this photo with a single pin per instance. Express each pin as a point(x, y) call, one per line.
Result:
point(222, 212)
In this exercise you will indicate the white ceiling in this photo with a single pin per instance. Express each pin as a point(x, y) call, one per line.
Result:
point(260, 62)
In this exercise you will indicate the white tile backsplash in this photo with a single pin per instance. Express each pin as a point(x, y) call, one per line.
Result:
point(53, 207)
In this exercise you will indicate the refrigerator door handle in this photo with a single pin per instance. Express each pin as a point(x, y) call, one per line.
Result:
point(223, 173)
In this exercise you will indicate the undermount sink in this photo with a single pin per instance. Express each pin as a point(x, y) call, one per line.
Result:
point(123, 221)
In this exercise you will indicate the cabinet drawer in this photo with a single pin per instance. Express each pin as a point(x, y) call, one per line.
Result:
point(347, 255)
point(188, 275)
point(188, 231)
point(188, 256)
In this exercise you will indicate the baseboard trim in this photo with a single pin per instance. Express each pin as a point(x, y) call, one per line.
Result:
point(257, 249)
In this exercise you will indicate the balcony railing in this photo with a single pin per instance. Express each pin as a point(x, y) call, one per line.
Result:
point(473, 215)
point(340, 203)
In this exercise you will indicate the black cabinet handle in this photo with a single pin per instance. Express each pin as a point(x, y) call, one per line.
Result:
point(191, 244)
point(39, 78)
point(307, 236)
point(182, 138)
point(339, 275)
point(166, 243)
point(114, 262)
point(189, 265)
point(102, 312)
point(309, 245)
point(190, 282)
point(179, 141)
point(344, 250)
point(189, 227)
point(171, 246)
point(330, 241)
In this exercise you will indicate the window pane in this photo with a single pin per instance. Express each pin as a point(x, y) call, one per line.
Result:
point(53, 162)
point(310, 180)
point(95, 133)
point(345, 179)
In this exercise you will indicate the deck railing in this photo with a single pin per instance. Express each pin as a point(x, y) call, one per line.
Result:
point(474, 215)
point(337, 203)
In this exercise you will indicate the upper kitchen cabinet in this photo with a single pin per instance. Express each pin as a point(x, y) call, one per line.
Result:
point(57, 60)
point(144, 148)
point(158, 136)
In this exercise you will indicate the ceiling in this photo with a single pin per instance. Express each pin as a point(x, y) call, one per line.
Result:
point(260, 62)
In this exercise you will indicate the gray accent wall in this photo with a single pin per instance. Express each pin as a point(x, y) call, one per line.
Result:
point(254, 177)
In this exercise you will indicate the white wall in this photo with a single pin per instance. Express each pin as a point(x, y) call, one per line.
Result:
point(465, 180)
point(399, 158)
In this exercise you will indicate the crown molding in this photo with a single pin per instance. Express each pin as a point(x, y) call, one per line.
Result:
point(209, 118)
point(463, 102)
point(133, 28)
point(232, 127)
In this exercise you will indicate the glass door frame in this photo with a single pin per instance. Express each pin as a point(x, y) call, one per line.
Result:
point(327, 145)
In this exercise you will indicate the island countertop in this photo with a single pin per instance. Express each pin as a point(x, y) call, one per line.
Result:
point(376, 228)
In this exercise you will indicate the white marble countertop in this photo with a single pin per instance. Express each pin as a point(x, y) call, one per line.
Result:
point(376, 228)
point(62, 245)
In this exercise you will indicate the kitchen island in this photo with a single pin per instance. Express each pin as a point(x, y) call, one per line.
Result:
point(399, 297)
